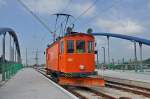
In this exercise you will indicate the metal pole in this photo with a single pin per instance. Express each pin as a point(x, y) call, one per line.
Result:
point(15, 53)
point(36, 57)
point(17, 56)
point(3, 59)
point(10, 48)
point(118, 61)
point(97, 59)
point(108, 50)
point(130, 64)
point(141, 63)
point(3, 47)
point(113, 63)
point(135, 57)
point(104, 53)
point(26, 58)
point(123, 67)
point(122, 60)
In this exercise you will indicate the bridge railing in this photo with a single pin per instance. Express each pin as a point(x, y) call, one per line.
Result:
point(8, 69)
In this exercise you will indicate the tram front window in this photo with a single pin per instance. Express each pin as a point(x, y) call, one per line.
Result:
point(80, 46)
point(90, 46)
point(70, 46)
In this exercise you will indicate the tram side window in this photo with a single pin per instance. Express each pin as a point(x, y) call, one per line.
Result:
point(62, 47)
point(80, 46)
point(70, 46)
point(90, 46)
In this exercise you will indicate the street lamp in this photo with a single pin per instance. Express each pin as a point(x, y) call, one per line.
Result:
point(104, 53)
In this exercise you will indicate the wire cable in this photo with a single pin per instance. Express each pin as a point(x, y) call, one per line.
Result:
point(67, 5)
point(85, 11)
point(95, 17)
point(36, 17)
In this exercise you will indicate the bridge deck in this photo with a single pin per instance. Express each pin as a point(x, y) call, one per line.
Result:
point(127, 77)
point(29, 84)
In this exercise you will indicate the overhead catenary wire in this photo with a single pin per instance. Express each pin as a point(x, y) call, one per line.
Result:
point(95, 17)
point(67, 5)
point(61, 11)
point(98, 14)
point(84, 12)
point(36, 17)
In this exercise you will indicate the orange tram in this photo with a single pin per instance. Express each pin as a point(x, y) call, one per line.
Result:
point(70, 60)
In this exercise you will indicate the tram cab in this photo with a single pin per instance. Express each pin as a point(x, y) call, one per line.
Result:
point(77, 53)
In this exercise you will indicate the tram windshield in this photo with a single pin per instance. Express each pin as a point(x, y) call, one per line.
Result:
point(70, 46)
point(90, 46)
point(80, 46)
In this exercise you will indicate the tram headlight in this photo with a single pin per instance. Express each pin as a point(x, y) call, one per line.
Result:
point(82, 67)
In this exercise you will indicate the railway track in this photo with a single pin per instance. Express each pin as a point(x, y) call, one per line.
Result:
point(102, 93)
point(76, 90)
point(88, 93)
point(129, 88)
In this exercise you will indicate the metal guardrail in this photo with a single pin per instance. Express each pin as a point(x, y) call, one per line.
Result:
point(9, 69)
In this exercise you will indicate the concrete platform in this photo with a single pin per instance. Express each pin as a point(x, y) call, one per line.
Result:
point(30, 84)
point(127, 77)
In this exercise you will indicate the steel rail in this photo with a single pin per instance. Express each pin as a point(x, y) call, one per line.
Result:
point(101, 93)
point(129, 88)
point(110, 84)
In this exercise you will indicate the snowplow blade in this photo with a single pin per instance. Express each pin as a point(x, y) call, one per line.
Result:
point(82, 82)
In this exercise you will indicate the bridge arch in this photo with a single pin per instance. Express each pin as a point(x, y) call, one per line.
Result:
point(126, 37)
point(131, 38)
point(12, 33)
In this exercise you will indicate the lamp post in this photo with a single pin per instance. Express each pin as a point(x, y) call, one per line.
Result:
point(108, 50)
point(135, 57)
point(141, 63)
point(104, 53)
